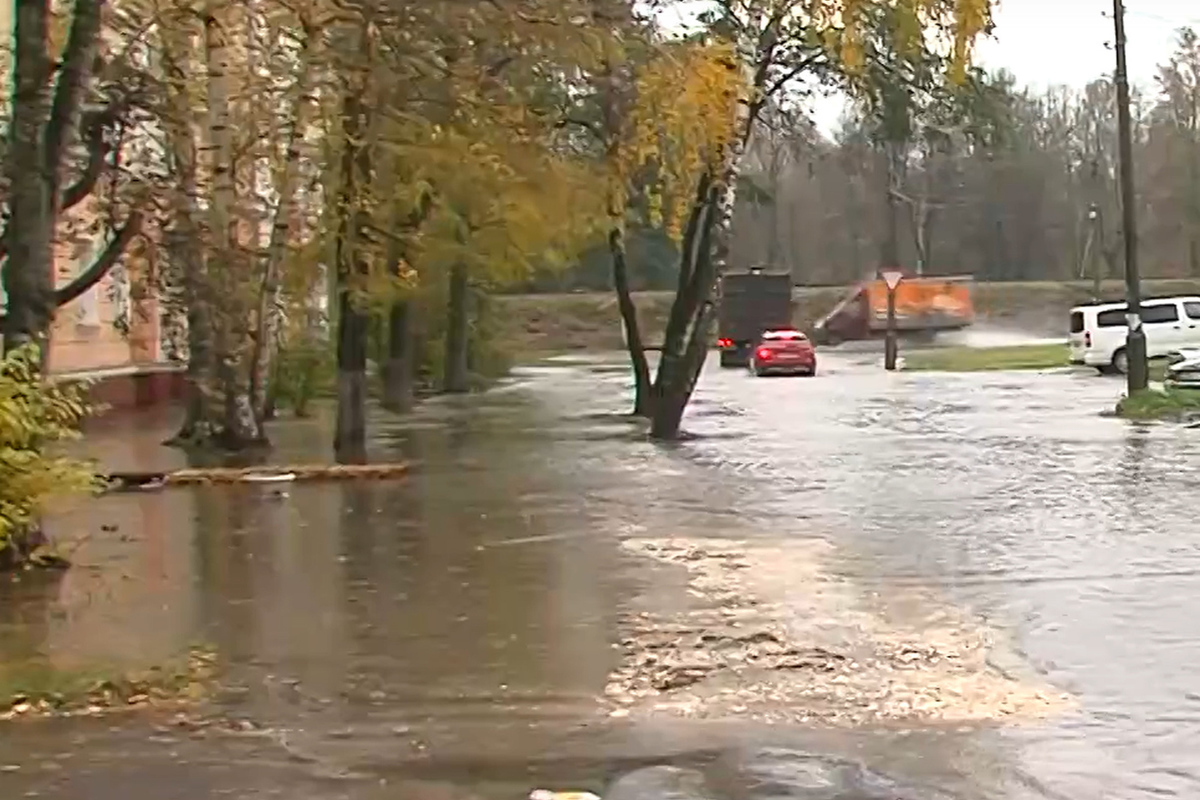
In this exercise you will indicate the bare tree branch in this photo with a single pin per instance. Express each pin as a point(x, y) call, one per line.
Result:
point(104, 262)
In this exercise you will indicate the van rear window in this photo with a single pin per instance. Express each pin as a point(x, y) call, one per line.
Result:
point(1076, 322)
point(1113, 318)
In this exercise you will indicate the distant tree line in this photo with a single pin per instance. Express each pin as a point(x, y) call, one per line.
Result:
point(995, 180)
point(650, 250)
point(1019, 184)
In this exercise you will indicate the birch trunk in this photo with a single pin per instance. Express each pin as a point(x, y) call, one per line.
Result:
point(240, 427)
point(184, 242)
point(669, 408)
point(269, 317)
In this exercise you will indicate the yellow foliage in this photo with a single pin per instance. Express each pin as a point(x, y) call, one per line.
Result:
point(502, 203)
point(684, 119)
point(35, 416)
point(948, 26)
point(500, 199)
point(463, 168)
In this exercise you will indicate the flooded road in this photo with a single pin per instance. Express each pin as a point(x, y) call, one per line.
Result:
point(1016, 570)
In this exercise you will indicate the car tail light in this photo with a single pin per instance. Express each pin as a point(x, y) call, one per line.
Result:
point(724, 343)
point(1087, 338)
point(763, 354)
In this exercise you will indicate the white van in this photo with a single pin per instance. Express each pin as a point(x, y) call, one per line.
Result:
point(1098, 331)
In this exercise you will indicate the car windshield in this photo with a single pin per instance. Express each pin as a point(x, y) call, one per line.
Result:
point(783, 336)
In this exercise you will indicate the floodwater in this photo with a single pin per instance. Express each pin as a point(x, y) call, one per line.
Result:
point(477, 629)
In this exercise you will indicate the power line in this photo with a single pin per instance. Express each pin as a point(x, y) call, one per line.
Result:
point(1174, 23)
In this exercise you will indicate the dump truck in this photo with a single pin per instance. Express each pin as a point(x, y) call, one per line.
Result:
point(925, 306)
point(751, 302)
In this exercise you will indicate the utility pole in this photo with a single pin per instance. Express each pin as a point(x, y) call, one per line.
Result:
point(1091, 252)
point(891, 344)
point(1135, 342)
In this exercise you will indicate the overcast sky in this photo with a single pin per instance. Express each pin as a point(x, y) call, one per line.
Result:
point(1045, 42)
point(1066, 41)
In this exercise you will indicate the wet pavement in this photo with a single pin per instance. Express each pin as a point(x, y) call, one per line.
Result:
point(1012, 568)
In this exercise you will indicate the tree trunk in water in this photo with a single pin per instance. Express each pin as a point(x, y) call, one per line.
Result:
point(398, 366)
point(694, 261)
point(674, 389)
point(350, 436)
point(188, 302)
point(240, 427)
point(198, 420)
point(477, 307)
point(633, 333)
point(666, 422)
point(456, 377)
point(353, 328)
point(676, 379)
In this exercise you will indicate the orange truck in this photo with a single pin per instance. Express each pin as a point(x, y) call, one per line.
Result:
point(924, 306)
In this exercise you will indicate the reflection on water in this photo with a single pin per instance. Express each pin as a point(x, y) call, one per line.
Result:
point(450, 632)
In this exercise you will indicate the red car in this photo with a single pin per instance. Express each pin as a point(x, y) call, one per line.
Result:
point(784, 352)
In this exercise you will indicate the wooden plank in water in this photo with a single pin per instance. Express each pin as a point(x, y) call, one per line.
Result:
point(298, 472)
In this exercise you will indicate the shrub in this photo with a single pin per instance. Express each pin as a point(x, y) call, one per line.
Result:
point(306, 369)
point(1160, 404)
point(35, 418)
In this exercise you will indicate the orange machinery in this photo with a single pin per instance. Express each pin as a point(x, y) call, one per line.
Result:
point(924, 305)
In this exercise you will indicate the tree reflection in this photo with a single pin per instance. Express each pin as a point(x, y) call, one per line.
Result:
point(1132, 470)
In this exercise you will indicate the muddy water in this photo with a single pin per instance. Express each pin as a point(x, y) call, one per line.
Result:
point(1012, 569)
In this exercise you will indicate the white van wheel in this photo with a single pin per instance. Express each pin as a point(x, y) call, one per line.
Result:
point(1120, 361)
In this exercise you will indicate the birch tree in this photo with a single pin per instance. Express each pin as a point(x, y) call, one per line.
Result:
point(774, 43)
point(238, 105)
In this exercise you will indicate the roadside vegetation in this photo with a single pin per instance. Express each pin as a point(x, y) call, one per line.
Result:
point(36, 418)
point(1154, 404)
point(1009, 357)
point(979, 359)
